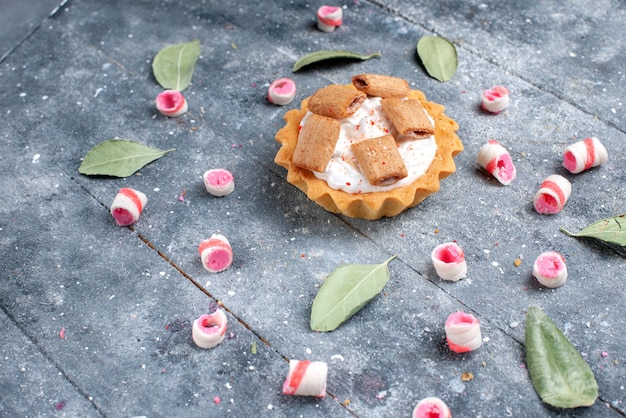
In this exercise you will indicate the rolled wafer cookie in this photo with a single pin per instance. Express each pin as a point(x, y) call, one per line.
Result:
point(380, 160)
point(584, 154)
point(127, 206)
point(306, 378)
point(552, 195)
point(550, 270)
point(449, 261)
point(431, 408)
point(209, 329)
point(495, 159)
point(316, 143)
point(216, 253)
point(408, 117)
point(463, 332)
point(381, 85)
point(336, 101)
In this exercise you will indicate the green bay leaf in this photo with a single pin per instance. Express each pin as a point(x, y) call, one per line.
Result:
point(611, 230)
point(173, 66)
point(119, 158)
point(319, 56)
point(438, 56)
point(345, 291)
point(558, 372)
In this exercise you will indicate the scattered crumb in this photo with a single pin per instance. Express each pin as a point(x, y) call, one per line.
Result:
point(467, 376)
point(346, 402)
point(517, 262)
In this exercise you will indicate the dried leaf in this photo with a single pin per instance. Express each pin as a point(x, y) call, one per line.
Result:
point(558, 372)
point(118, 158)
point(173, 66)
point(610, 230)
point(318, 56)
point(345, 291)
point(438, 56)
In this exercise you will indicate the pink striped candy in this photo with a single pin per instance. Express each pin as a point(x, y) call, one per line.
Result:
point(584, 154)
point(449, 262)
point(281, 91)
point(495, 99)
point(219, 182)
point(329, 17)
point(306, 378)
point(431, 408)
point(216, 253)
point(171, 103)
point(463, 332)
point(550, 270)
point(210, 329)
point(494, 158)
point(127, 206)
point(552, 195)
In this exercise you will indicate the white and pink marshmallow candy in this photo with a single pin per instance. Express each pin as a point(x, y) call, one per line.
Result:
point(216, 253)
point(552, 195)
point(210, 329)
point(329, 17)
point(463, 332)
point(495, 159)
point(219, 182)
point(431, 408)
point(584, 154)
point(306, 378)
point(449, 261)
point(127, 206)
point(282, 91)
point(550, 270)
point(171, 103)
point(495, 99)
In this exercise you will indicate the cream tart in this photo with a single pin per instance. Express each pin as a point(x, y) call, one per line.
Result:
point(337, 147)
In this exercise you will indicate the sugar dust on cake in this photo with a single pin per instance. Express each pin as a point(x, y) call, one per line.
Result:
point(369, 149)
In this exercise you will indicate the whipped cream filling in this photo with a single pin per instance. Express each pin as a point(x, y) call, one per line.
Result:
point(369, 121)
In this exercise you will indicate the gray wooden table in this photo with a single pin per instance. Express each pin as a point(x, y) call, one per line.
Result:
point(125, 298)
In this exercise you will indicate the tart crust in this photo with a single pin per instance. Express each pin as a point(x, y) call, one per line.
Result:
point(373, 205)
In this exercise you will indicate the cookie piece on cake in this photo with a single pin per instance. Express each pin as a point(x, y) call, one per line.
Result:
point(408, 117)
point(336, 101)
point(381, 85)
point(380, 160)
